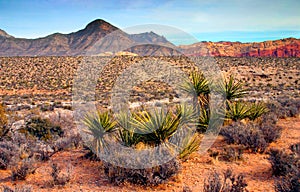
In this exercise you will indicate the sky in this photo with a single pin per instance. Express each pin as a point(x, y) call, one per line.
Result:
point(205, 20)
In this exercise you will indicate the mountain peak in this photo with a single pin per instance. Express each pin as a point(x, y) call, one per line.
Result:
point(100, 24)
point(4, 34)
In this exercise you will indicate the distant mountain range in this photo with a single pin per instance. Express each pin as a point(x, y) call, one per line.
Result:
point(101, 38)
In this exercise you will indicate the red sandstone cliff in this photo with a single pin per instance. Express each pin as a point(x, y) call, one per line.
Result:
point(289, 47)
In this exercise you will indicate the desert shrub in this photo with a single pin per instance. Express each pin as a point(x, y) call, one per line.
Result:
point(3, 122)
point(285, 107)
point(58, 177)
point(42, 129)
point(286, 166)
point(283, 163)
point(147, 176)
point(229, 183)
point(128, 137)
point(156, 127)
point(269, 118)
point(8, 151)
point(90, 154)
point(245, 134)
point(204, 119)
point(21, 170)
point(229, 153)
point(295, 148)
point(289, 183)
point(253, 136)
point(46, 107)
point(270, 132)
point(17, 189)
point(63, 143)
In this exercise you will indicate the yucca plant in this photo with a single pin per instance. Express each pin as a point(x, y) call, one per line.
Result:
point(198, 85)
point(237, 110)
point(256, 110)
point(188, 115)
point(98, 125)
point(203, 120)
point(190, 144)
point(126, 131)
point(231, 89)
point(156, 127)
point(159, 125)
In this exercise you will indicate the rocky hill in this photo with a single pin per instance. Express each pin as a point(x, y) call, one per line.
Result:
point(96, 38)
point(289, 47)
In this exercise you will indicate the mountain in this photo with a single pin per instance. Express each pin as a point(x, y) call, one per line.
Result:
point(97, 37)
point(4, 34)
point(101, 38)
point(289, 47)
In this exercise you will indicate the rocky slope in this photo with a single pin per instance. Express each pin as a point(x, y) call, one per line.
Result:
point(289, 47)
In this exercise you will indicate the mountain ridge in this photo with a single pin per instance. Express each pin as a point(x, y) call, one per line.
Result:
point(100, 36)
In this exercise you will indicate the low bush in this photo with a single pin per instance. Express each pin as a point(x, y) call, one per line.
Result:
point(253, 136)
point(17, 189)
point(58, 177)
point(8, 152)
point(3, 122)
point(283, 163)
point(245, 134)
point(229, 183)
point(147, 176)
point(295, 148)
point(286, 167)
point(21, 170)
point(42, 129)
point(285, 107)
point(228, 153)
point(289, 183)
point(270, 132)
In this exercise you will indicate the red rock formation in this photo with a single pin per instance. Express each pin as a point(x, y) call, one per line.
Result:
point(289, 47)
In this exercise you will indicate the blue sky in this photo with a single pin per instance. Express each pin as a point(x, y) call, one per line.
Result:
point(208, 20)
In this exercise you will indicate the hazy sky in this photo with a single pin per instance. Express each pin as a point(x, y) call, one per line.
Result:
point(211, 20)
